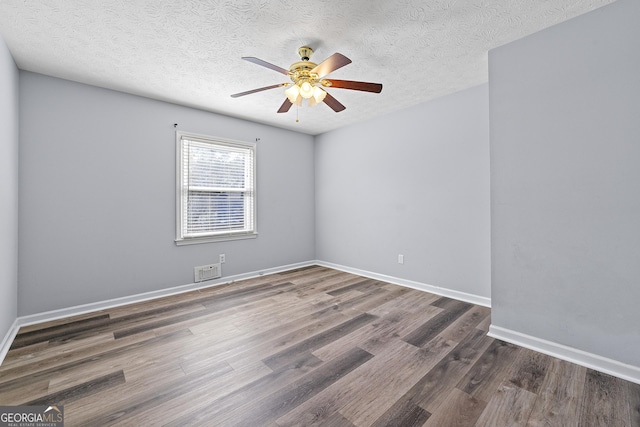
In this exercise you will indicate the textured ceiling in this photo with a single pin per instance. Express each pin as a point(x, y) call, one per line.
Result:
point(188, 51)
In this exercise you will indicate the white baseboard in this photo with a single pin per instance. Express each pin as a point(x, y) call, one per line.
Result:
point(462, 296)
point(117, 302)
point(8, 340)
point(579, 357)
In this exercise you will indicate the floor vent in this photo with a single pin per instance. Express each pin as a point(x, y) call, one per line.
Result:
point(207, 272)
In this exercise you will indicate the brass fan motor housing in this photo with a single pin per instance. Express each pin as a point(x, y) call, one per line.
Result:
point(300, 71)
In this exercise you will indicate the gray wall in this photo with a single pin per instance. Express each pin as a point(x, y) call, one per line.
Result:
point(97, 195)
point(565, 183)
point(414, 182)
point(8, 189)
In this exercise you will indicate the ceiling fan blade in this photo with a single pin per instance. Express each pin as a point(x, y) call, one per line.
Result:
point(266, 64)
point(249, 92)
point(286, 105)
point(333, 103)
point(332, 63)
point(349, 84)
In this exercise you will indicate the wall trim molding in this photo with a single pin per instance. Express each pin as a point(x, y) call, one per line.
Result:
point(570, 354)
point(8, 339)
point(146, 296)
point(451, 293)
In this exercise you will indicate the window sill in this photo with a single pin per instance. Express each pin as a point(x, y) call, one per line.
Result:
point(213, 239)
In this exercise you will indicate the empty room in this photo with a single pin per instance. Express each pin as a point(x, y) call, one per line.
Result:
point(253, 213)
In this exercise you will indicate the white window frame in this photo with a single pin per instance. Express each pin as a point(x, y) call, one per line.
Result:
point(182, 191)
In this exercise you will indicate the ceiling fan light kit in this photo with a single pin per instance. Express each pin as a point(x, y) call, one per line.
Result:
point(308, 81)
point(297, 92)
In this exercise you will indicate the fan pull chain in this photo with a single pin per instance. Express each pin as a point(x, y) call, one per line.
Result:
point(297, 109)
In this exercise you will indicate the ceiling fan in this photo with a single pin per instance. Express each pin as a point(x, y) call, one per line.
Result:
point(309, 82)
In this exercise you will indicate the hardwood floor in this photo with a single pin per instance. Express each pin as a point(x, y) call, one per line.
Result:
point(307, 347)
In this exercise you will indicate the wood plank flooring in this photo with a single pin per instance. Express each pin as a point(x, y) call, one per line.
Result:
point(306, 347)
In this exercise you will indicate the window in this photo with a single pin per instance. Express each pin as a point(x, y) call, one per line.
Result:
point(215, 189)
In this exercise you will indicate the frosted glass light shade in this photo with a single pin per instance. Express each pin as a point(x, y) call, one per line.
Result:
point(306, 90)
point(292, 93)
point(318, 94)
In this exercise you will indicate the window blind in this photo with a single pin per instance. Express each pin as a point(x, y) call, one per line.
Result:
point(217, 188)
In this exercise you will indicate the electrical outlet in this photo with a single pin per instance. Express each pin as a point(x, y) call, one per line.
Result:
point(400, 259)
point(223, 258)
